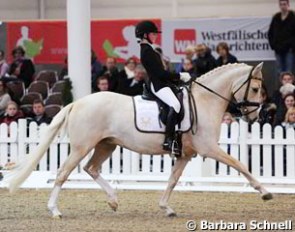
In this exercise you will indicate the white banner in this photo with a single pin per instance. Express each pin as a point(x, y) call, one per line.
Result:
point(246, 37)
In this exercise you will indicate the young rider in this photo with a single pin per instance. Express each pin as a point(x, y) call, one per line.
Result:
point(159, 79)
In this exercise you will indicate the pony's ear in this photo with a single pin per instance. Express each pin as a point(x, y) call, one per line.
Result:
point(257, 70)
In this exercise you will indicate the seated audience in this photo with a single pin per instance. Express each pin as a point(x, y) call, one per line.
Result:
point(39, 113)
point(112, 72)
point(12, 113)
point(21, 67)
point(225, 57)
point(289, 121)
point(102, 83)
point(133, 86)
point(4, 67)
point(4, 97)
point(204, 62)
point(289, 101)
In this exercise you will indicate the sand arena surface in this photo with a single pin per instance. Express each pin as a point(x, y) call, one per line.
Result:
point(87, 210)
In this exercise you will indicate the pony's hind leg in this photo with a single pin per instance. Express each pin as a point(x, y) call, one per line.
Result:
point(76, 155)
point(103, 150)
point(223, 157)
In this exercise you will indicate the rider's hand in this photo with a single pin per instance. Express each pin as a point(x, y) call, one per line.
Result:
point(185, 76)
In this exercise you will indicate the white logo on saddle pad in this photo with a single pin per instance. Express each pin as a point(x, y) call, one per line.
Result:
point(147, 115)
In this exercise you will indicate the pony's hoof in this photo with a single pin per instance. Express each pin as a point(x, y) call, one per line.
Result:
point(172, 214)
point(57, 217)
point(267, 197)
point(113, 205)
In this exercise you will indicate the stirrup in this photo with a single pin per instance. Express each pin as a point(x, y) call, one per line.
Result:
point(175, 152)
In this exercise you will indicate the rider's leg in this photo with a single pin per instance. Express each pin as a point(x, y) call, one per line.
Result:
point(169, 98)
point(170, 130)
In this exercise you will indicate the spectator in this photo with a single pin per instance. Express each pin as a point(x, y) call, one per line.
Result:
point(225, 57)
point(4, 67)
point(285, 78)
point(102, 83)
point(12, 113)
point(268, 110)
point(188, 66)
point(205, 62)
point(4, 97)
point(39, 112)
point(281, 36)
point(128, 71)
point(112, 72)
point(96, 68)
point(189, 53)
point(228, 118)
point(133, 86)
point(289, 101)
point(289, 121)
point(64, 70)
point(21, 67)
point(126, 74)
point(286, 89)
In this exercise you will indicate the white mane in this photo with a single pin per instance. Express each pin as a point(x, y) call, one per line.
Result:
point(218, 70)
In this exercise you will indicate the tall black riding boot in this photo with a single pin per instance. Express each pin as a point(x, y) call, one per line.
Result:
point(169, 143)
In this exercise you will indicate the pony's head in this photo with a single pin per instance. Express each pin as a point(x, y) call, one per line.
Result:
point(247, 93)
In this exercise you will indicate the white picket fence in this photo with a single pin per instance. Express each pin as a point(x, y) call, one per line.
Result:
point(269, 154)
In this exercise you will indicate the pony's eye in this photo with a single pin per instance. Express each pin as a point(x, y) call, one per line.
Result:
point(255, 90)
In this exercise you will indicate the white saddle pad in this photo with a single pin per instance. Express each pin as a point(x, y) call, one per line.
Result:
point(147, 115)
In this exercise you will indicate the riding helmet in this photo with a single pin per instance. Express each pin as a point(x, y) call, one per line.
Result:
point(145, 27)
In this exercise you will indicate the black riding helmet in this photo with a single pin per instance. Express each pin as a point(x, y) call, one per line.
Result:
point(145, 27)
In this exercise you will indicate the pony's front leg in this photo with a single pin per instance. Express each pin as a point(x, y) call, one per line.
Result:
point(219, 155)
point(173, 179)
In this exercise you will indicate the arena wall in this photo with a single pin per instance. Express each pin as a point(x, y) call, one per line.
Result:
point(56, 9)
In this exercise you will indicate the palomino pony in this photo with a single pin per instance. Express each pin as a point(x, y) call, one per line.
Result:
point(104, 120)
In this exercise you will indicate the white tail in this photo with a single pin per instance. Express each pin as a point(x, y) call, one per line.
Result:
point(24, 169)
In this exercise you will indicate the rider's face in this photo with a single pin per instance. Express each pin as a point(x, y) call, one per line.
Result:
point(153, 37)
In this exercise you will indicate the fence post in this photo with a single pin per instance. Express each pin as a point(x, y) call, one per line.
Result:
point(22, 135)
point(244, 156)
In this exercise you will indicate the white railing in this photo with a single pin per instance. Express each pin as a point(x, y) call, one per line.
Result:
point(269, 154)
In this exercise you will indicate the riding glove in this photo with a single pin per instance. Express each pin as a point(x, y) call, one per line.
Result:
point(185, 76)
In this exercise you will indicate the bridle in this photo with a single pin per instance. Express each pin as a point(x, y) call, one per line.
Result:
point(241, 106)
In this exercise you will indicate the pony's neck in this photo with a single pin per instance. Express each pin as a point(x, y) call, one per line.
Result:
point(223, 80)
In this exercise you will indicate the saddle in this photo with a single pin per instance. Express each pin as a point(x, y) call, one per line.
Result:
point(150, 113)
point(163, 108)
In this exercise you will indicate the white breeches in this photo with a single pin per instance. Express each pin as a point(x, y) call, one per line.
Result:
point(168, 97)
